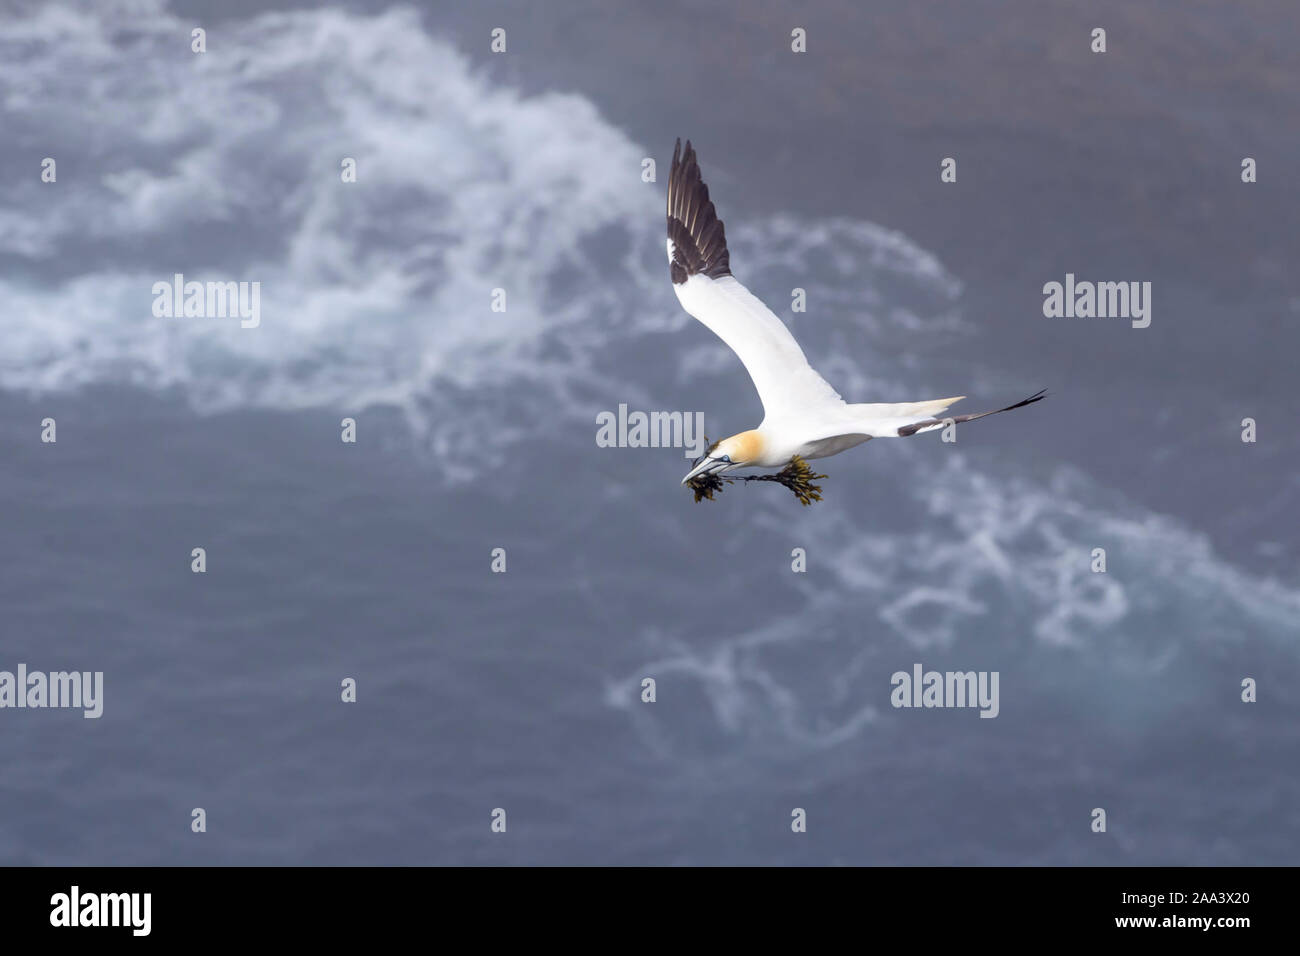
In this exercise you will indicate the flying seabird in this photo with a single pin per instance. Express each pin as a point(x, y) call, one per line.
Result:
point(802, 415)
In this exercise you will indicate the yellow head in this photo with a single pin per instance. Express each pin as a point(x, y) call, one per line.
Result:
point(734, 452)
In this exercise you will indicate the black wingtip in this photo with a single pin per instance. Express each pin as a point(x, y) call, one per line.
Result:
point(699, 239)
point(1036, 397)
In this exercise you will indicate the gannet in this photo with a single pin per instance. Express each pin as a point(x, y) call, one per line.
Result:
point(802, 414)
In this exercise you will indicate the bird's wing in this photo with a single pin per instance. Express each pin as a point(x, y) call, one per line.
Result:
point(905, 419)
point(701, 272)
point(931, 423)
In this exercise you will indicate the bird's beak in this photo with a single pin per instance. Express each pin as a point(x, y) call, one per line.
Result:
point(707, 466)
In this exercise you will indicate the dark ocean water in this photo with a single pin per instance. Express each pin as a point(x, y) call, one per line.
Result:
point(372, 561)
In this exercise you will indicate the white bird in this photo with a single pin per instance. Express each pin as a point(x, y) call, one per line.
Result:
point(802, 414)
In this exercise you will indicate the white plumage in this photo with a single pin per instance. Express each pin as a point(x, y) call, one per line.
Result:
point(802, 414)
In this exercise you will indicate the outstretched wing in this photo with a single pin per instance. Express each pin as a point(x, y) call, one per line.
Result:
point(901, 420)
point(930, 424)
point(700, 268)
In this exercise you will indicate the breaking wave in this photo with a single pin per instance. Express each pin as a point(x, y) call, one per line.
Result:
point(226, 165)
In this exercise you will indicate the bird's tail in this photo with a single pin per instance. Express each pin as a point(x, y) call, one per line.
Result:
point(905, 410)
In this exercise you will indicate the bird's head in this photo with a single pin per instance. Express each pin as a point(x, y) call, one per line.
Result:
point(734, 452)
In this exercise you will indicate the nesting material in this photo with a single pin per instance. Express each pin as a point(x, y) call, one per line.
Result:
point(796, 476)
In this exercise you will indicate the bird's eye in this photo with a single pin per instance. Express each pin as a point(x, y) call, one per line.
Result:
point(727, 459)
